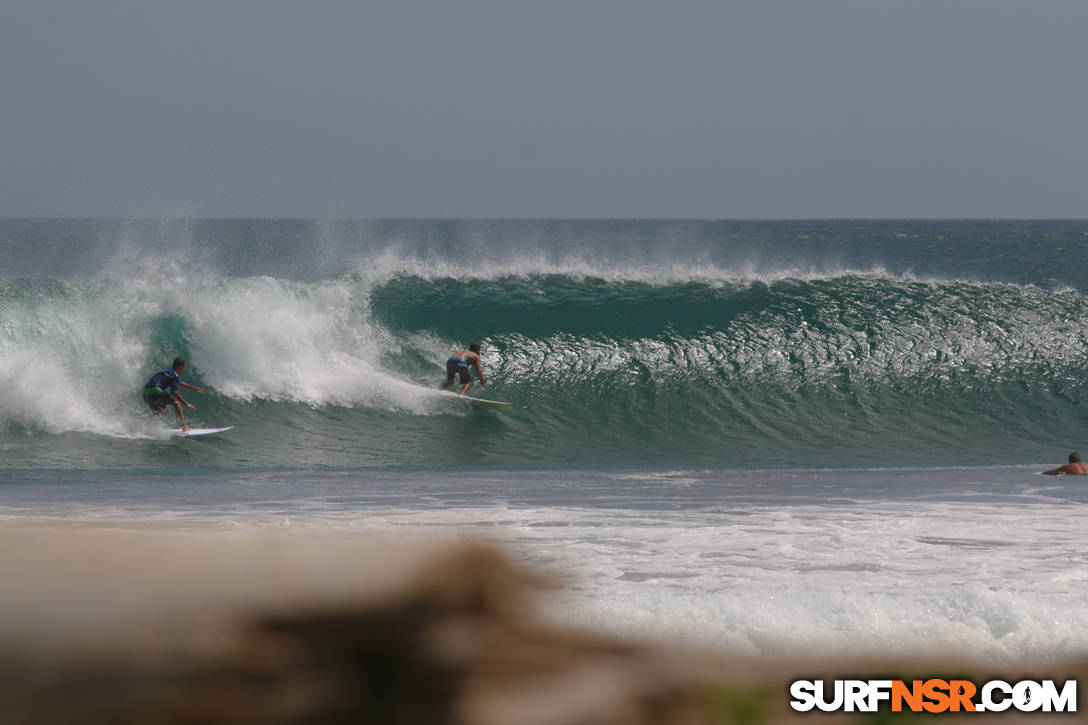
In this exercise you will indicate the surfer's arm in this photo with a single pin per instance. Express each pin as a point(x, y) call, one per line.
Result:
point(190, 387)
point(480, 375)
point(178, 399)
point(1055, 471)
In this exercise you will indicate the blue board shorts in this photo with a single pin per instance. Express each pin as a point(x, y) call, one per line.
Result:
point(457, 366)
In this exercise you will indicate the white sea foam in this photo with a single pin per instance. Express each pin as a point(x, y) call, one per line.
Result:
point(65, 361)
point(912, 579)
point(999, 581)
point(75, 360)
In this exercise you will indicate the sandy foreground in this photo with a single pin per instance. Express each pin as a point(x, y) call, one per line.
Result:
point(136, 625)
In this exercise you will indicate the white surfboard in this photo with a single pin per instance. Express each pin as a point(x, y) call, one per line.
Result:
point(198, 431)
point(480, 402)
point(485, 404)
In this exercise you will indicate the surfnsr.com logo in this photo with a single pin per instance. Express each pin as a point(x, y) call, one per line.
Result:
point(933, 696)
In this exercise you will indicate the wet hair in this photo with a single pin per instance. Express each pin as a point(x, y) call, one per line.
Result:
point(1074, 458)
point(475, 347)
point(179, 362)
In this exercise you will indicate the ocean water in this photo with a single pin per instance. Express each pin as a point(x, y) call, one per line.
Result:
point(779, 438)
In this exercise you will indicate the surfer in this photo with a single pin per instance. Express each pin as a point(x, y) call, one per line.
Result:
point(458, 366)
point(162, 390)
point(1075, 467)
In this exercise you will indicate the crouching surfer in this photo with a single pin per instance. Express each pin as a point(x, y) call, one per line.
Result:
point(458, 366)
point(162, 390)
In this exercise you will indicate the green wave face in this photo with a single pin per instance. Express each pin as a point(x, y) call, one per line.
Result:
point(855, 369)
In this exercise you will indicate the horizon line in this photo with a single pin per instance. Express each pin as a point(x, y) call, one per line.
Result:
point(547, 218)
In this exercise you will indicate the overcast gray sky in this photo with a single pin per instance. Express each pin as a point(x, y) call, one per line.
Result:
point(546, 108)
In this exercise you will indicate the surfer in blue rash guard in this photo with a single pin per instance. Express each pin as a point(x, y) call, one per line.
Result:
point(458, 366)
point(162, 390)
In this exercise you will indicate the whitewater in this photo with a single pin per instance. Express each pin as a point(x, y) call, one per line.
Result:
point(777, 437)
